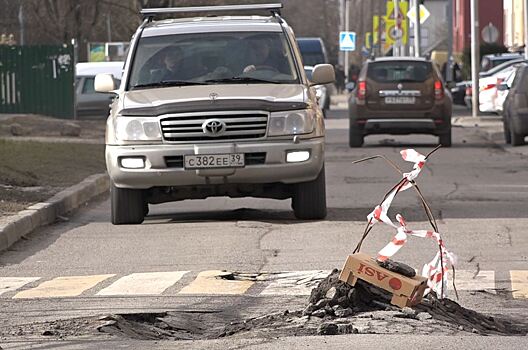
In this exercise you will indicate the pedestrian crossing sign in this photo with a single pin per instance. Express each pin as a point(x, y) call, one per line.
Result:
point(347, 41)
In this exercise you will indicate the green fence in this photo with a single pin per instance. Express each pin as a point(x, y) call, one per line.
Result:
point(37, 79)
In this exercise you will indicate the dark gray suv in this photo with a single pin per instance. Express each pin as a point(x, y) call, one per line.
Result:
point(399, 95)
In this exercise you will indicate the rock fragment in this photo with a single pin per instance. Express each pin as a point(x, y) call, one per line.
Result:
point(71, 129)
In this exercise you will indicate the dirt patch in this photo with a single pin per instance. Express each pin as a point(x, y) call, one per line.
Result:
point(32, 125)
point(34, 171)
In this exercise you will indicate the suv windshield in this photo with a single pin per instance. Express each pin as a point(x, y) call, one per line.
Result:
point(212, 58)
point(399, 71)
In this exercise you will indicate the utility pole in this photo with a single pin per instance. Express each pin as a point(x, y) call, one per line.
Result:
point(449, 68)
point(526, 29)
point(397, 44)
point(417, 29)
point(108, 28)
point(21, 22)
point(475, 56)
point(341, 29)
point(347, 29)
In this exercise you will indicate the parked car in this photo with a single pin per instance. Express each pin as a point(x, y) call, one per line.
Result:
point(88, 101)
point(493, 60)
point(515, 108)
point(313, 51)
point(321, 91)
point(458, 92)
point(502, 91)
point(219, 106)
point(400, 95)
point(488, 89)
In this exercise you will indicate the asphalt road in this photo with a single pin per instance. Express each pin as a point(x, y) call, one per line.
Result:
point(478, 192)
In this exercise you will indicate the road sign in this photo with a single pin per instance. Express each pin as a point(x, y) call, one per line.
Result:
point(347, 41)
point(396, 30)
point(490, 34)
point(424, 14)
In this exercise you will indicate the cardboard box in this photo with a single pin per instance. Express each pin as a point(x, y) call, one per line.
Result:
point(405, 291)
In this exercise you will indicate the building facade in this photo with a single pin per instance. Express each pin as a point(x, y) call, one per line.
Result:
point(490, 12)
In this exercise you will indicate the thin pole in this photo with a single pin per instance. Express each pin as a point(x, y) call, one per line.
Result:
point(449, 68)
point(475, 57)
point(347, 28)
point(526, 29)
point(342, 10)
point(397, 44)
point(108, 28)
point(21, 21)
point(417, 30)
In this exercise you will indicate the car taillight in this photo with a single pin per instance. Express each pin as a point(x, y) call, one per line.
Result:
point(438, 90)
point(488, 87)
point(362, 90)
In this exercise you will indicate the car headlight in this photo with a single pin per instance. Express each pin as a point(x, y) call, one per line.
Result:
point(292, 123)
point(137, 129)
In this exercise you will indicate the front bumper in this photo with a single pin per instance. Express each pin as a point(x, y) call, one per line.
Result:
point(273, 169)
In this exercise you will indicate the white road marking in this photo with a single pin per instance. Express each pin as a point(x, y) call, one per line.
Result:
point(69, 286)
point(149, 283)
point(211, 282)
point(294, 282)
point(10, 284)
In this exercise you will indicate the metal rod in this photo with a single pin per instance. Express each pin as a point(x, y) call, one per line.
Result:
point(396, 45)
point(449, 65)
point(526, 29)
point(347, 28)
point(161, 10)
point(475, 57)
point(417, 30)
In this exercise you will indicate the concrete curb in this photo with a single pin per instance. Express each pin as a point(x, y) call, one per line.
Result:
point(13, 227)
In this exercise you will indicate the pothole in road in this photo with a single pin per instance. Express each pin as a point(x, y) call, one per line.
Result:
point(333, 308)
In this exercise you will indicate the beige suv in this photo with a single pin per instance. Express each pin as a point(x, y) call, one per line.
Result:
point(215, 106)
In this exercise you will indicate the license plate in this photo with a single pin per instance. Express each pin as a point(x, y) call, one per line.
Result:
point(211, 161)
point(400, 100)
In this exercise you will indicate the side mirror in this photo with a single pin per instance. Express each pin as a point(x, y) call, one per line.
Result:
point(323, 74)
point(350, 86)
point(104, 83)
point(503, 87)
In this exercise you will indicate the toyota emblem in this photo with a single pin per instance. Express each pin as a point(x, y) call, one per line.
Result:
point(214, 127)
point(213, 96)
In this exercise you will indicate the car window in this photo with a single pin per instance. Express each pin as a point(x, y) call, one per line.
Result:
point(399, 71)
point(88, 86)
point(204, 57)
point(312, 58)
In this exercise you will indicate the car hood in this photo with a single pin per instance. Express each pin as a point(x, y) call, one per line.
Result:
point(269, 97)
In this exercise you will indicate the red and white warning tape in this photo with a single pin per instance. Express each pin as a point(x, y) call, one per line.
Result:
point(436, 270)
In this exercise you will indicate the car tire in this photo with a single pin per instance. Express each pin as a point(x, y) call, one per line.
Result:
point(355, 138)
point(309, 199)
point(507, 133)
point(445, 139)
point(516, 139)
point(127, 206)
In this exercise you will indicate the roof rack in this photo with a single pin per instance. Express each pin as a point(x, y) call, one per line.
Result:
point(152, 12)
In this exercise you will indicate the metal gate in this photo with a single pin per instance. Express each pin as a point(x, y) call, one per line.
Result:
point(37, 79)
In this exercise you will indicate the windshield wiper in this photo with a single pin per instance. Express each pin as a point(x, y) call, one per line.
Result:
point(166, 83)
point(242, 80)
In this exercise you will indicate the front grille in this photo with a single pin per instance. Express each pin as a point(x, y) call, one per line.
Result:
point(255, 158)
point(238, 126)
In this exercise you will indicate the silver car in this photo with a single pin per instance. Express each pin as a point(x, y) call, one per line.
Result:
point(215, 106)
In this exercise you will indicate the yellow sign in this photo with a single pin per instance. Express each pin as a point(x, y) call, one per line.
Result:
point(396, 28)
point(368, 40)
point(375, 29)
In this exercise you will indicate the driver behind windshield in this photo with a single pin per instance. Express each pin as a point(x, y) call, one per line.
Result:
point(172, 61)
point(260, 56)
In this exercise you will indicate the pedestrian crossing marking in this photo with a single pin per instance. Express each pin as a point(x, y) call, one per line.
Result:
point(467, 280)
point(11, 284)
point(211, 282)
point(294, 283)
point(150, 283)
point(519, 281)
point(70, 286)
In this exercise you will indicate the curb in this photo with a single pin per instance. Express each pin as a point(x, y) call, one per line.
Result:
point(13, 227)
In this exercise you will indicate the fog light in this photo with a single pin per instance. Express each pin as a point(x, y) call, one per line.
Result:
point(297, 156)
point(133, 162)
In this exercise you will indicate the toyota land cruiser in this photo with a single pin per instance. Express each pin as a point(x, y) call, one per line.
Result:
point(215, 106)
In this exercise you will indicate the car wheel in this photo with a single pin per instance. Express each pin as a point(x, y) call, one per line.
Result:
point(516, 139)
point(128, 206)
point(507, 133)
point(355, 138)
point(445, 139)
point(309, 199)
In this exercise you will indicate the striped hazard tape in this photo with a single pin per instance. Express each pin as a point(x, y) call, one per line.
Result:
point(436, 270)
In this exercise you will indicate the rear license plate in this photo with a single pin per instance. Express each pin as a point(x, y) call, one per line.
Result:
point(210, 161)
point(400, 100)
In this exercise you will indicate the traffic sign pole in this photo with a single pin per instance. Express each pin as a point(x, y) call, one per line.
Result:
point(347, 29)
point(397, 43)
point(417, 30)
point(449, 68)
point(475, 56)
